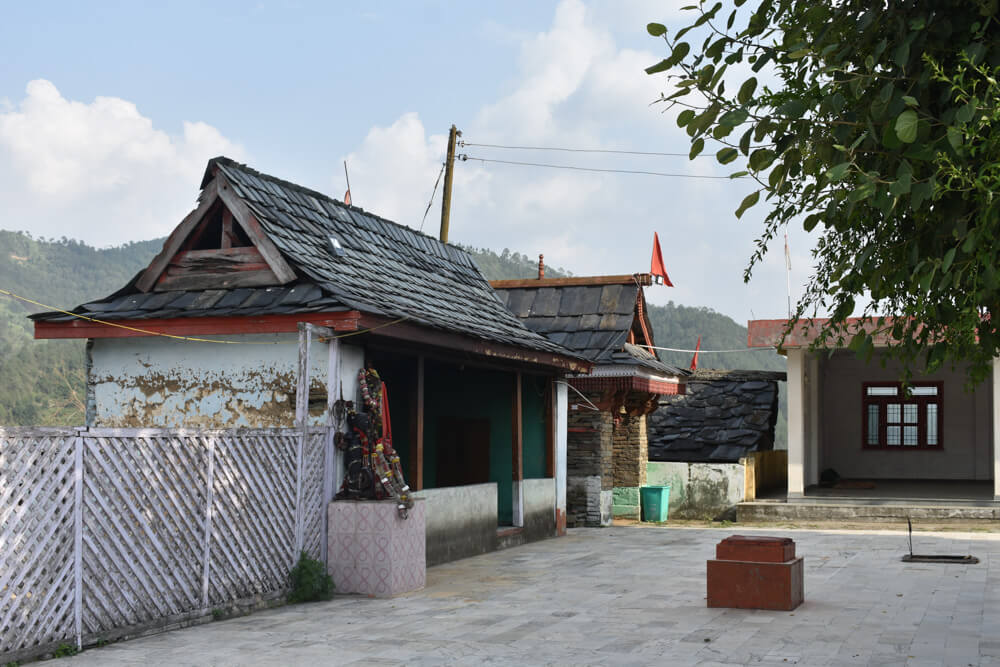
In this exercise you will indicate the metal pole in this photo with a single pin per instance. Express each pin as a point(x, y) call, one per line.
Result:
point(449, 167)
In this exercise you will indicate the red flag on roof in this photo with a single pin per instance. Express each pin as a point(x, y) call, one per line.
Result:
point(694, 359)
point(656, 269)
point(347, 197)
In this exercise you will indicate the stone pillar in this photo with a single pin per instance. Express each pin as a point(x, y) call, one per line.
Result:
point(796, 423)
point(589, 467)
point(631, 453)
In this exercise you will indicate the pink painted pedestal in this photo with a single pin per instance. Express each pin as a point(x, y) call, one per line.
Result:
point(373, 551)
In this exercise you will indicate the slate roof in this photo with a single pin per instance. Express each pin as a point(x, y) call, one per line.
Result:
point(723, 416)
point(386, 269)
point(591, 320)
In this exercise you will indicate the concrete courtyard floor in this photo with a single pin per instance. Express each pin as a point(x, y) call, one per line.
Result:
point(629, 595)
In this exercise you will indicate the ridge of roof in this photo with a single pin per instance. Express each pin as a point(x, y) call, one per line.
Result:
point(229, 162)
point(641, 279)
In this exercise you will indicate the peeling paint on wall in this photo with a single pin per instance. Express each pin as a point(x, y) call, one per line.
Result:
point(159, 382)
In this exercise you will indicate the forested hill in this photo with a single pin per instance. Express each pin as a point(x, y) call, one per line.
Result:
point(43, 381)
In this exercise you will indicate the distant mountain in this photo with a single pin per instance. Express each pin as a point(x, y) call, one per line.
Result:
point(44, 382)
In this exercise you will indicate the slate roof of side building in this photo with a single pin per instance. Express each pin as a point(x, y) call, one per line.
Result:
point(387, 269)
point(591, 320)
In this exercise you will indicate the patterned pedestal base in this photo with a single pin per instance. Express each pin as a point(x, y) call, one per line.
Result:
point(374, 552)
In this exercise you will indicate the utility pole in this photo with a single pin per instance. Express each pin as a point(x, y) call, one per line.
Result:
point(449, 167)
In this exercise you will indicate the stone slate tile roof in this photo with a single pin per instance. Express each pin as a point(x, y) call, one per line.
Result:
point(723, 416)
point(129, 304)
point(591, 320)
point(386, 269)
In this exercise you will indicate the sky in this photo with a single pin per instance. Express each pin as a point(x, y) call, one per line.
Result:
point(109, 112)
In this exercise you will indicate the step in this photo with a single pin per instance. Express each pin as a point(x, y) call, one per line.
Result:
point(818, 511)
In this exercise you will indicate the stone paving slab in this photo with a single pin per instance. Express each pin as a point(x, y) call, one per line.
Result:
point(628, 595)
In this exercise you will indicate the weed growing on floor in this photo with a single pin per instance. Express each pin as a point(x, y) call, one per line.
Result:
point(309, 581)
point(64, 651)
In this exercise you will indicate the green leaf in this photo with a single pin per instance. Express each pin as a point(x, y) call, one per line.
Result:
point(901, 187)
point(733, 118)
point(747, 90)
point(910, 101)
point(920, 193)
point(761, 159)
point(949, 257)
point(906, 126)
point(903, 54)
point(965, 114)
point(747, 202)
point(955, 137)
point(656, 29)
point(661, 66)
point(685, 117)
point(793, 109)
point(696, 147)
point(739, 174)
point(745, 141)
point(727, 155)
point(811, 221)
point(838, 172)
point(680, 52)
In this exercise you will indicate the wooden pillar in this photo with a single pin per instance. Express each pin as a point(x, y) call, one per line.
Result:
point(550, 431)
point(560, 410)
point(996, 429)
point(517, 454)
point(416, 480)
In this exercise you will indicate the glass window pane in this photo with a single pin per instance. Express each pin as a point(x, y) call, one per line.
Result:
point(932, 425)
point(883, 391)
point(893, 412)
point(910, 435)
point(892, 435)
point(873, 425)
point(910, 412)
point(923, 391)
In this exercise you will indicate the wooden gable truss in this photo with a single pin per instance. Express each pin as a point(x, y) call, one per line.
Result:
point(219, 245)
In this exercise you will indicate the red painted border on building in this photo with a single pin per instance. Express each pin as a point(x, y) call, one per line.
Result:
point(768, 333)
point(630, 383)
point(197, 326)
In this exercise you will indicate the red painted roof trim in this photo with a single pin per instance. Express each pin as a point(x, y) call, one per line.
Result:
point(197, 326)
point(629, 383)
point(768, 333)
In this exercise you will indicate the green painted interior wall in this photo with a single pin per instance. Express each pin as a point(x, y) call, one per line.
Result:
point(471, 393)
point(533, 425)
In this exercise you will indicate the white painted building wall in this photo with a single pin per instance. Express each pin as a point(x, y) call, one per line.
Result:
point(162, 382)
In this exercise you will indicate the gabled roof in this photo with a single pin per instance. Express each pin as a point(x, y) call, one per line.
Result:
point(590, 316)
point(386, 269)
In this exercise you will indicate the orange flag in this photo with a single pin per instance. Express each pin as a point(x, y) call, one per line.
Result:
point(657, 269)
point(347, 197)
point(694, 359)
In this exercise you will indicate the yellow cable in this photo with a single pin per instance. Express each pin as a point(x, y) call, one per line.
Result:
point(189, 338)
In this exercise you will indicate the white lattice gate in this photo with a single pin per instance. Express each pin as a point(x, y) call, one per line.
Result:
point(111, 531)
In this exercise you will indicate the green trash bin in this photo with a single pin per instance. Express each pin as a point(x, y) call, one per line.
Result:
point(655, 502)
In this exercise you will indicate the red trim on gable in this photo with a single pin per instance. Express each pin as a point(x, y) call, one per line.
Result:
point(197, 326)
point(630, 383)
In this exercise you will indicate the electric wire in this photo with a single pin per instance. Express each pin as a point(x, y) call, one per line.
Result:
point(463, 144)
point(465, 157)
point(433, 192)
point(741, 349)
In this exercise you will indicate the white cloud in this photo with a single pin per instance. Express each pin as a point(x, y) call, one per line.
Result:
point(576, 86)
point(99, 170)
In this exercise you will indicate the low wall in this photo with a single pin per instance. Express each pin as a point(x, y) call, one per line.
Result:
point(587, 503)
point(539, 508)
point(699, 490)
point(462, 521)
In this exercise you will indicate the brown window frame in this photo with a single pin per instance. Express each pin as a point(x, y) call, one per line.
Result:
point(902, 399)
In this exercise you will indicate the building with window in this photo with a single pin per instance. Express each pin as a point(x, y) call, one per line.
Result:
point(857, 420)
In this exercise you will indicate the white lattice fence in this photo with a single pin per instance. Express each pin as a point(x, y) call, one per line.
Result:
point(162, 525)
point(37, 578)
